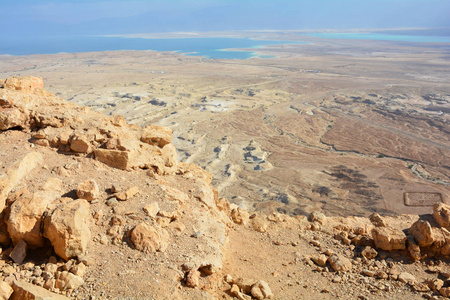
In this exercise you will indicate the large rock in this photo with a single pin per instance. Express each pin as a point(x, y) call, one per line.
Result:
point(157, 135)
point(68, 228)
point(25, 217)
point(15, 173)
point(28, 291)
point(389, 239)
point(422, 233)
point(13, 117)
point(28, 83)
point(441, 214)
point(113, 158)
point(149, 238)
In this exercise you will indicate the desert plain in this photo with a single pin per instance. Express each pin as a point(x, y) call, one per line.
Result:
point(348, 127)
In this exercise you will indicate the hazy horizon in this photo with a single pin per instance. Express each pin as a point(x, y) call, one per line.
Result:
point(102, 17)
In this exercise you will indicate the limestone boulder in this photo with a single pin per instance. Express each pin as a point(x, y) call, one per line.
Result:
point(114, 158)
point(15, 173)
point(389, 239)
point(67, 228)
point(13, 117)
point(441, 214)
point(156, 135)
point(29, 83)
point(422, 233)
point(25, 217)
point(149, 238)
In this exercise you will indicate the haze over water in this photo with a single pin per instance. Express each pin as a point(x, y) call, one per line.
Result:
point(207, 47)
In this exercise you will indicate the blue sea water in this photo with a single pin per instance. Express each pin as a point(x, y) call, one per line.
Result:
point(207, 47)
point(383, 37)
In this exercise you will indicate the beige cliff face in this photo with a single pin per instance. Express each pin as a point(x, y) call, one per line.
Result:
point(76, 226)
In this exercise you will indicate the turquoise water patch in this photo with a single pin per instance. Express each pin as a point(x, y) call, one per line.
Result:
point(206, 47)
point(382, 37)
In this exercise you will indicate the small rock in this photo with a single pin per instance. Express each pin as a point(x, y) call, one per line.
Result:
point(80, 143)
point(317, 216)
point(192, 278)
point(315, 243)
point(5, 290)
point(368, 273)
point(320, 260)
point(407, 278)
point(239, 216)
point(130, 193)
point(104, 240)
point(52, 260)
point(445, 291)
point(151, 209)
point(377, 220)
point(421, 287)
point(260, 224)
point(261, 290)
point(71, 281)
point(19, 252)
point(51, 268)
point(369, 252)
point(381, 275)
point(112, 202)
point(435, 284)
point(149, 238)
point(329, 252)
point(37, 272)
point(340, 263)
point(88, 190)
point(24, 290)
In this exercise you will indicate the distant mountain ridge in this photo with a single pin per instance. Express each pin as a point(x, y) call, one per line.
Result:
point(235, 16)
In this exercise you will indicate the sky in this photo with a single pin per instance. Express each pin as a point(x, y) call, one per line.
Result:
point(51, 17)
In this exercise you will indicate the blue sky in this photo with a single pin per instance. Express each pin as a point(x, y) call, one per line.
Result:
point(135, 16)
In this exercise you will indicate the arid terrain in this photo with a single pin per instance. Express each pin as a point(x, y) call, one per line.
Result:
point(346, 127)
point(94, 208)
